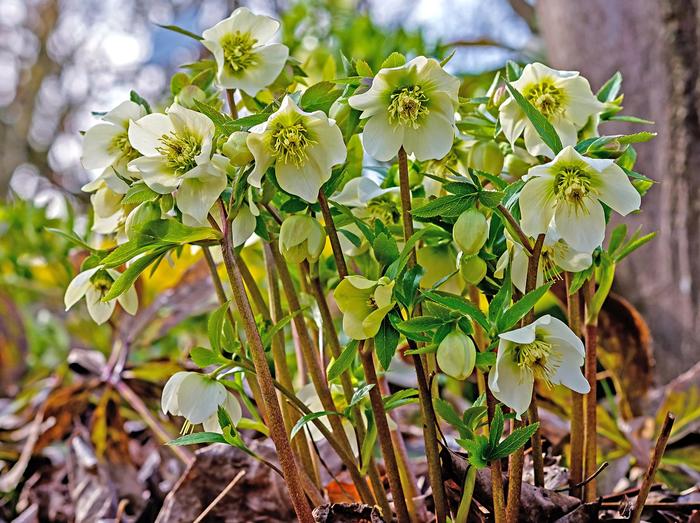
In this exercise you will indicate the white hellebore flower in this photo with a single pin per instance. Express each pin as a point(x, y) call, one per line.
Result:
point(556, 255)
point(546, 350)
point(95, 283)
point(106, 146)
point(244, 58)
point(303, 147)
point(570, 189)
point(245, 221)
point(177, 155)
point(197, 397)
point(412, 106)
point(563, 97)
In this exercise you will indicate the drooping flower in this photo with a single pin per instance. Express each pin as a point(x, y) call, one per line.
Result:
point(177, 155)
point(197, 397)
point(556, 256)
point(301, 238)
point(106, 146)
point(303, 148)
point(364, 304)
point(563, 97)
point(571, 189)
point(108, 209)
point(245, 58)
point(357, 192)
point(245, 221)
point(456, 355)
point(546, 350)
point(93, 284)
point(412, 106)
point(470, 231)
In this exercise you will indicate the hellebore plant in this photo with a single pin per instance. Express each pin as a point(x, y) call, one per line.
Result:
point(444, 253)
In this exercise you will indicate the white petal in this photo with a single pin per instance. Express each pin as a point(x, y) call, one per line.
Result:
point(156, 174)
point(617, 192)
point(523, 335)
point(518, 269)
point(100, 311)
point(188, 121)
point(512, 120)
point(569, 371)
point(97, 145)
point(331, 146)
point(433, 77)
point(381, 139)
point(509, 384)
point(558, 329)
point(570, 259)
point(432, 140)
point(304, 181)
point(145, 133)
point(566, 131)
point(582, 227)
point(537, 205)
point(129, 300)
point(196, 196)
point(78, 287)
point(581, 103)
point(270, 61)
point(263, 160)
point(243, 226)
point(360, 282)
point(233, 408)
point(199, 397)
point(168, 399)
point(124, 112)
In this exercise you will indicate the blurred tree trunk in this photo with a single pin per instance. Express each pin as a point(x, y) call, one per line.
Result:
point(655, 44)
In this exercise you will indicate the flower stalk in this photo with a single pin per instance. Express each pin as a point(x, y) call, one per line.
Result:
point(590, 401)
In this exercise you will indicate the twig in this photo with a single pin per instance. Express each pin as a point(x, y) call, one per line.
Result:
point(221, 496)
point(653, 465)
point(524, 240)
point(602, 467)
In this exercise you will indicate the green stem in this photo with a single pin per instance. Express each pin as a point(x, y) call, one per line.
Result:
point(467, 493)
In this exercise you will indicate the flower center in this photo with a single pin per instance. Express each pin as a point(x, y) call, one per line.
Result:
point(384, 210)
point(120, 144)
point(572, 183)
point(101, 282)
point(180, 151)
point(408, 106)
point(290, 143)
point(546, 97)
point(237, 49)
point(538, 358)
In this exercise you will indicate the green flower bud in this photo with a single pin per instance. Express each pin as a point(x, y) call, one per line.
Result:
point(472, 269)
point(236, 149)
point(141, 215)
point(456, 355)
point(188, 94)
point(516, 166)
point(301, 238)
point(470, 231)
point(487, 157)
point(339, 111)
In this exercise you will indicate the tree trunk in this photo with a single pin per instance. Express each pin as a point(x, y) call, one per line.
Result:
point(654, 43)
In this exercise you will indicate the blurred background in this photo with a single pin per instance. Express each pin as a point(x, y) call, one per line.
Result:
point(60, 60)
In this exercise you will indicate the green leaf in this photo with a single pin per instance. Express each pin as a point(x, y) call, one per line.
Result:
point(359, 394)
point(617, 236)
point(180, 30)
point(127, 251)
point(203, 357)
point(477, 449)
point(394, 60)
point(363, 69)
point(419, 324)
point(501, 300)
point(139, 193)
point(320, 97)
point(485, 360)
point(633, 245)
point(447, 59)
point(396, 267)
point(198, 438)
point(448, 206)
point(385, 249)
point(448, 413)
point(385, 343)
point(630, 119)
point(138, 99)
point(172, 231)
point(215, 326)
point(129, 276)
point(368, 445)
point(496, 429)
point(473, 415)
point(609, 91)
point(490, 199)
point(459, 304)
point(514, 441)
point(72, 237)
point(400, 398)
point(343, 362)
point(310, 417)
point(521, 308)
point(279, 325)
point(513, 71)
point(542, 126)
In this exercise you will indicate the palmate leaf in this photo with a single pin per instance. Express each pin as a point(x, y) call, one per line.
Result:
point(540, 123)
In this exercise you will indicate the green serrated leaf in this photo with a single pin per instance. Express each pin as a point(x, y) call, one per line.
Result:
point(519, 309)
point(203, 357)
point(215, 326)
point(139, 193)
point(308, 418)
point(129, 276)
point(485, 360)
point(496, 429)
point(400, 398)
point(394, 60)
point(359, 395)
point(363, 69)
point(609, 91)
point(320, 97)
point(385, 249)
point(448, 206)
point(514, 441)
point(459, 304)
point(385, 343)
point(448, 413)
point(198, 438)
point(72, 237)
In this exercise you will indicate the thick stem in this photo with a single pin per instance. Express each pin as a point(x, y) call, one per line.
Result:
point(275, 421)
point(253, 289)
point(230, 98)
point(333, 235)
point(499, 502)
point(573, 302)
point(429, 418)
point(515, 468)
point(282, 369)
point(383, 433)
point(590, 401)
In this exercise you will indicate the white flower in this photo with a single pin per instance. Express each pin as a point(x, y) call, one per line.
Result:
point(570, 189)
point(177, 155)
point(93, 284)
point(411, 106)
point(106, 146)
point(303, 147)
point(244, 58)
point(108, 209)
point(563, 97)
point(301, 238)
point(245, 221)
point(545, 349)
point(198, 397)
point(556, 255)
point(357, 192)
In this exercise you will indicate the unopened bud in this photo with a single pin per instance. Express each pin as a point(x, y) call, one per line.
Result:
point(486, 156)
point(456, 355)
point(301, 238)
point(516, 166)
point(470, 231)
point(140, 216)
point(188, 94)
point(472, 269)
point(236, 149)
